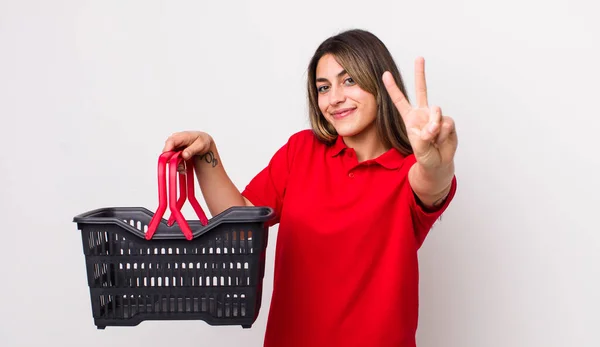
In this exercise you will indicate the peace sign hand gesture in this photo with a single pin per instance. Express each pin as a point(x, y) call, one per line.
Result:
point(431, 135)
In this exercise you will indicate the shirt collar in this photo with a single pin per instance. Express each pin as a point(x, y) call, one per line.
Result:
point(392, 159)
point(338, 146)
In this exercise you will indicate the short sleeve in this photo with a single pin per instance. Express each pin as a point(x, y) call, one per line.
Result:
point(269, 186)
point(423, 219)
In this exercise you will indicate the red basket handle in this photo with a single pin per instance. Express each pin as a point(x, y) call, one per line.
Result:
point(182, 196)
point(186, 188)
point(162, 194)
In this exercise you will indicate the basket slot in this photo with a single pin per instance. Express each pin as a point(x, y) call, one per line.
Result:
point(244, 242)
point(220, 306)
point(103, 241)
point(194, 281)
point(249, 245)
point(111, 306)
point(112, 240)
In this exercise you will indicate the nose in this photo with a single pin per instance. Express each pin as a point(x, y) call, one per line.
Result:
point(336, 96)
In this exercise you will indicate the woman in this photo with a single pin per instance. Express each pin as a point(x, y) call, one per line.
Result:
point(354, 197)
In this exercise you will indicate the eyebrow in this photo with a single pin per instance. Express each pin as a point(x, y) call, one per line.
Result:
point(322, 79)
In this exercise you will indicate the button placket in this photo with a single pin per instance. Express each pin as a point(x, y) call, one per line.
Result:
point(350, 162)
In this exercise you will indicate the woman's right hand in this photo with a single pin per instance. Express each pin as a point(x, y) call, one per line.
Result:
point(218, 190)
point(192, 143)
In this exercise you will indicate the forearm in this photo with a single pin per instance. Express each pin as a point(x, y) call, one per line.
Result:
point(217, 188)
point(431, 186)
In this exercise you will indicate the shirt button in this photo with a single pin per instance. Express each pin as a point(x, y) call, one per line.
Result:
point(351, 175)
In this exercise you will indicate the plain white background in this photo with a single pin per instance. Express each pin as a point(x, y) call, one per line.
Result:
point(89, 91)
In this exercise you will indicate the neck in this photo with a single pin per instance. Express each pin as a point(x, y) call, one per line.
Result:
point(366, 144)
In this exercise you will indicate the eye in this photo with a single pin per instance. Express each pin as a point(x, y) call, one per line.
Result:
point(349, 81)
point(322, 89)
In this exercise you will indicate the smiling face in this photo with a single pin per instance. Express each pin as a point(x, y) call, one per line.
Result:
point(348, 108)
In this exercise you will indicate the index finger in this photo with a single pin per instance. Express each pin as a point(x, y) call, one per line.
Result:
point(396, 94)
point(169, 145)
point(420, 84)
point(174, 141)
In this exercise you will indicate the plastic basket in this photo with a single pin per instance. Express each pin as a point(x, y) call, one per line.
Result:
point(143, 267)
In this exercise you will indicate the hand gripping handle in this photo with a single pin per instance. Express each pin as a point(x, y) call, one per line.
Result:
point(186, 189)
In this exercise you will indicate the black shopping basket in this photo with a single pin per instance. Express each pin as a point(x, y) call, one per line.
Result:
point(142, 267)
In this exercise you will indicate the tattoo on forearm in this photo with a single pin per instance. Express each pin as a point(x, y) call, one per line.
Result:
point(209, 157)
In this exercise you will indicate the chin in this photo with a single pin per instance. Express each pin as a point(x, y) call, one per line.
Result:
point(347, 131)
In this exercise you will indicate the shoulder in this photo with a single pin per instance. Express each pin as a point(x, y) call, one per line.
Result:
point(304, 140)
point(303, 136)
point(300, 147)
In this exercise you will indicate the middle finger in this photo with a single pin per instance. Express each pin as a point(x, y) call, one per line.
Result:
point(420, 83)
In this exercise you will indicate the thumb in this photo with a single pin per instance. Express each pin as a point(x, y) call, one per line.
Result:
point(420, 143)
point(198, 147)
point(424, 136)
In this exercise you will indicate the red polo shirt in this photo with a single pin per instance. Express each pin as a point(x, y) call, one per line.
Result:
point(346, 271)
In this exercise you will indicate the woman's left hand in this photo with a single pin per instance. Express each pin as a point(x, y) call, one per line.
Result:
point(431, 135)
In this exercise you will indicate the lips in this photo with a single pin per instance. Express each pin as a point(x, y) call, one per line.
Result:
point(342, 113)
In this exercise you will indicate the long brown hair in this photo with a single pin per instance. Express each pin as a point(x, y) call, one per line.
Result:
point(365, 58)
